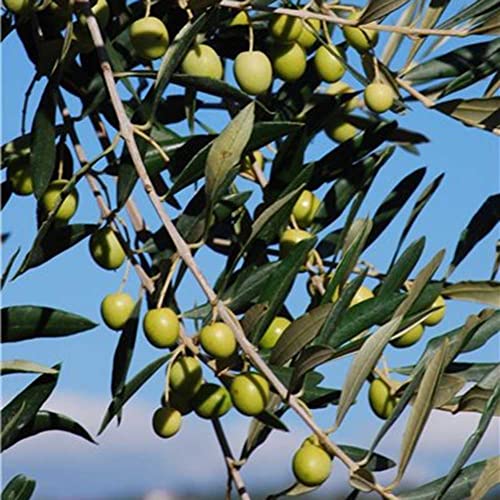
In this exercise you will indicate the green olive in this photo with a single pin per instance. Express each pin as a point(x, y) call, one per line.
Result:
point(253, 72)
point(340, 130)
point(51, 198)
point(329, 63)
point(289, 61)
point(186, 375)
point(166, 422)
point(202, 60)
point(273, 333)
point(106, 249)
point(149, 37)
point(290, 238)
point(311, 465)
point(181, 402)
point(161, 327)
point(250, 393)
point(308, 37)
point(361, 39)
point(305, 208)
point(116, 309)
point(18, 6)
point(240, 19)
point(218, 340)
point(379, 97)
point(211, 401)
point(437, 316)
point(363, 293)
point(19, 175)
point(285, 28)
point(381, 401)
point(412, 336)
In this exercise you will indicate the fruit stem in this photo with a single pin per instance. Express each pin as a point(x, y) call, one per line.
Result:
point(230, 462)
point(148, 8)
point(250, 35)
point(168, 279)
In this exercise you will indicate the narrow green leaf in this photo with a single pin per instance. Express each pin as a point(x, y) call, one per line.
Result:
point(30, 322)
point(487, 330)
point(376, 462)
point(271, 420)
point(56, 241)
point(43, 141)
point(462, 487)
point(124, 350)
point(22, 366)
point(401, 269)
point(474, 10)
point(484, 292)
point(394, 202)
point(20, 487)
point(45, 421)
point(419, 205)
point(483, 221)
point(30, 400)
point(482, 112)
point(173, 57)
point(226, 150)
point(8, 267)
point(279, 284)
point(363, 364)
point(377, 9)
point(131, 388)
point(299, 334)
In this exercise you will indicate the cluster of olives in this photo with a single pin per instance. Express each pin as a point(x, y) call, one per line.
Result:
point(21, 181)
point(254, 70)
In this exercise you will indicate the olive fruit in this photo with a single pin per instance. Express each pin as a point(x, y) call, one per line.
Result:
point(19, 175)
point(361, 39)
point(202, 60)
point(340, 130)
point(339, 88)
point(285, 28)
point(149, 37)
point(106, 249)
point(51, 198)
point(17, 6)
point(250, 393)
point(254, 158)
point(311, 465)
point(161, 327)
point(361, 295)
point(412, 336)
point(211, 401)
point(307, 37)
point(218, 340)
point(273, 333)
point(436, 317)
point(240, 19)
point(253, 72)
point(289, 61)
point(379, 97)
point(329, 64)
point(166, 422)
point(186, 375)
point(116, 309)
point(381, 401)
point(305, 208)
point(290, 238)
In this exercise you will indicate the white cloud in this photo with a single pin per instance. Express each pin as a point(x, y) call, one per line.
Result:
point(131, 458)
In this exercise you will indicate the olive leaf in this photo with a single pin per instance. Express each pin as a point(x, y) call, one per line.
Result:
point(484, 292)
point(20, 487)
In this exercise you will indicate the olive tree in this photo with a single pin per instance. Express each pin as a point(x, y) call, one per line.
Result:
point(273, 72)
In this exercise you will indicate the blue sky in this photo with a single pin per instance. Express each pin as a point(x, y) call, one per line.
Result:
point(469, 159)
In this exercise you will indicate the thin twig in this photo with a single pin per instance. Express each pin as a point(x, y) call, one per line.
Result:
point(229, 459)
point(332, 18)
